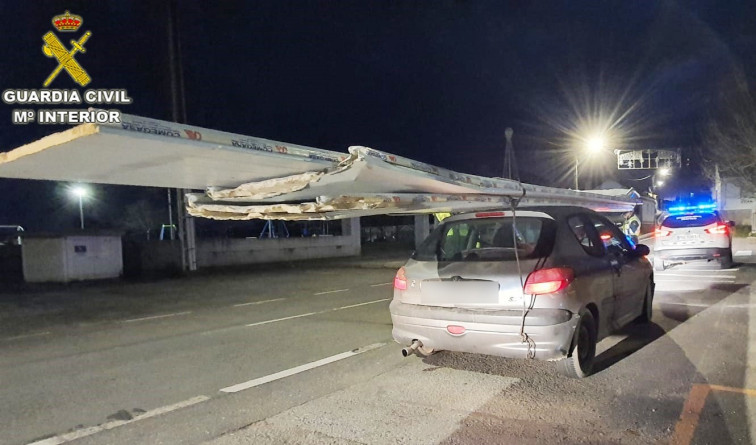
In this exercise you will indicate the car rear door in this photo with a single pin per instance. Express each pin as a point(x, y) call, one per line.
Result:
point(631, 273)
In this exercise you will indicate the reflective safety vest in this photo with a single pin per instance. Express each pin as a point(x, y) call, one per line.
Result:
point(632, 226)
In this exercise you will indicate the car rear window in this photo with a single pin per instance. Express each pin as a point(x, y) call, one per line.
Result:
point(488, 239)
point(690, 220)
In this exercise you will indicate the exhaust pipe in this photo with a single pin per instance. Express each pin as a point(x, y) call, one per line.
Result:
point(412, 349)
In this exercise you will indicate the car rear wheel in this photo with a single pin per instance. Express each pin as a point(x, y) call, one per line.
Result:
point(579, 364)
point(648, 302)
point(726, 261)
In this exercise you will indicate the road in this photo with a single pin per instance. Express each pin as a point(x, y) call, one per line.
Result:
point(304, 355)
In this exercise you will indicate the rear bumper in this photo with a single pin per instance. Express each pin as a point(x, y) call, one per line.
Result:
point(486, 332)
point(712, 253)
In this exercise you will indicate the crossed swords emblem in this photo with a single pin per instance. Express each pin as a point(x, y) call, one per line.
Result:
point(55, 48)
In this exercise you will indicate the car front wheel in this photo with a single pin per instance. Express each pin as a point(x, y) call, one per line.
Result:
point(579, 364)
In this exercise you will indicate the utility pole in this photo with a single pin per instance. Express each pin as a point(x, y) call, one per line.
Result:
point(187, 234)
point(508, 155)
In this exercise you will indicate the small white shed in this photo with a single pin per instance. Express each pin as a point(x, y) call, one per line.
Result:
point(71, 257)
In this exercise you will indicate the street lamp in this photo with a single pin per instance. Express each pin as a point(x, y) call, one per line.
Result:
point(80, 192)
point(593, 144)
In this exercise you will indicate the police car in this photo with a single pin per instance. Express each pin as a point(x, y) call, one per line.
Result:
point(693, 233)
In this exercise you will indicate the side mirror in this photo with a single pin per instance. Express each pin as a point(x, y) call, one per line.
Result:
point(731, 223)
point(642, 250)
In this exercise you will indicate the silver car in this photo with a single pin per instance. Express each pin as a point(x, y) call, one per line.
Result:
point(544, 283)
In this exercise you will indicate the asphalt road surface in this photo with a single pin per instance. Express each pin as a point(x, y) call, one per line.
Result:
point(302, 354)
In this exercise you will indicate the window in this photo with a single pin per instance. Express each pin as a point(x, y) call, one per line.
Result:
point(489, 239)
point(586, 235)
point(692, 220)
point(614, 240)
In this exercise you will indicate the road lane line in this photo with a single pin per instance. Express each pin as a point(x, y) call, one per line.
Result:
point(282, 319)
point(690, 415)
point(360, 304)
point(299, 369)
point(380, 284)
point(251, 303)
point(154, 317)
point(315, 313)
point(18, 337)
point(84, 432)
point(330, 291)
point(661, 275)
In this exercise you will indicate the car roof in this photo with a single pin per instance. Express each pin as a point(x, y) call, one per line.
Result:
point(555, 212)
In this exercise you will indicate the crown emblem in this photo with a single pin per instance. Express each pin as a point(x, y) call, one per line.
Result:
point(67, 22)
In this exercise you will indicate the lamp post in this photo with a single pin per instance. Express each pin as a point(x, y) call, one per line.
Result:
point(593, 144)
point(80, 192)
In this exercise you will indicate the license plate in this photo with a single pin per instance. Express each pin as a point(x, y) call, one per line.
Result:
point(460, 292)
point(686, 237)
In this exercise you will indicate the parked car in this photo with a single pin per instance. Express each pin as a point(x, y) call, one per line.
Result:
point(545, 282)
point(688, 236)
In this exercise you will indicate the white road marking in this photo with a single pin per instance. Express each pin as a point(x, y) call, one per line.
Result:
point(154, 317)
point(299, 369)
point(330, 291)
point(316, 313)
point(36, 334)
point(251, 303)
point(743, 253)
point(84, 432)
point(282, 319)
point(380, 284)
point(661, 275)
point(360, 304)
point(729, 306)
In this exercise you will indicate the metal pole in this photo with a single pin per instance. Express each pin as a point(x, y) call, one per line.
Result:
point(577, 161)
point(508, 155)
point(170, 213)
point(81, 212)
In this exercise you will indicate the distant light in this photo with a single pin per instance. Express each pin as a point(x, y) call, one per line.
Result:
point(595, 143)
point(659, 183)
point(80, 191)
point(664, 171)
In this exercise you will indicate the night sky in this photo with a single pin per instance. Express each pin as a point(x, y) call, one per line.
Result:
point(438, 81)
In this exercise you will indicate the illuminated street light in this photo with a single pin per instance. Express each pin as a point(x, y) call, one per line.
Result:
point(593, 144)
point(664, 171)
point(80, 192)
point(659, 183)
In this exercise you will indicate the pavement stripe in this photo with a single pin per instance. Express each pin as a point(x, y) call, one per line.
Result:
point(18, 337)
point(84, 432)
point(299, 369)
point(662, 275)
point(729, 306)
point(154, 317)
point(691, 412)
point(330, 291)
point(743, 253)
point(380, 284)
point(282, 319)
point(251, 303)
point(316, 313)
point(360, 304)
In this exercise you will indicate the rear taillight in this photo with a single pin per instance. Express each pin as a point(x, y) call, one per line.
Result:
point(400, 280)
point(661, 232)
point(720, 229)
point(548, 281)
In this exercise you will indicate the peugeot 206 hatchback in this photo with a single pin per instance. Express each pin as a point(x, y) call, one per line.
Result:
point(693, 236)
point(544, 283)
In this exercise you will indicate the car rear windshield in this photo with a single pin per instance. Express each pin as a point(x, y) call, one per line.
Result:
point(690, 220)
point(488, 239)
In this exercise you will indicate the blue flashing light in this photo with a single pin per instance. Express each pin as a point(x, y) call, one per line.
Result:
point(692, 208)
